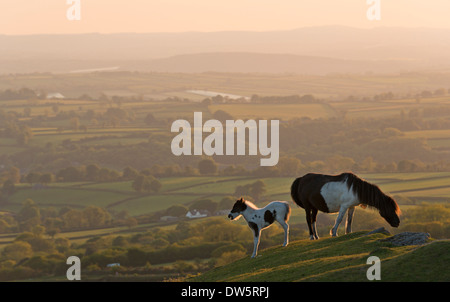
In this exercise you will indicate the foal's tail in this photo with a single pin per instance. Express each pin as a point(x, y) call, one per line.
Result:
point(295, 193)
point(288, 212)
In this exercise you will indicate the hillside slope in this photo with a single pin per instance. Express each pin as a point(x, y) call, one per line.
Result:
point(338, 259)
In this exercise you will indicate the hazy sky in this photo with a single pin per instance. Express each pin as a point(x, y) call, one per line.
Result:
point(107, 16)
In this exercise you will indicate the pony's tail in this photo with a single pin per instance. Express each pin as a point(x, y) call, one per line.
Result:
point(288, 212)
point(294, 192)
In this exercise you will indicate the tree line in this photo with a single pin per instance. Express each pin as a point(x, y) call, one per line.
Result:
point(53, 221)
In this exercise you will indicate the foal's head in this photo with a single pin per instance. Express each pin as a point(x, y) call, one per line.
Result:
point(238, 208)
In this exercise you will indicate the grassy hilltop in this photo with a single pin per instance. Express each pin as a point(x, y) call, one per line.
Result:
point(338, 259)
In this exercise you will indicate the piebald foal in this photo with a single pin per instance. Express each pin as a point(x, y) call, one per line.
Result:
point(261, 218)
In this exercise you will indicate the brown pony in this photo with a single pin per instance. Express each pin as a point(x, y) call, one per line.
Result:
point(339, 193)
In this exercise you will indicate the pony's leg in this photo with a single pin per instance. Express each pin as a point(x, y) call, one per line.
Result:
point(308, 221)
point(285, 226)
point(348, 224)
point(333, 231)
point(313, 222)
point(256, 243)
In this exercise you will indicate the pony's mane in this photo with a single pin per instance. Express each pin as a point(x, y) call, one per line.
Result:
point(371, 194)
point(250, 204)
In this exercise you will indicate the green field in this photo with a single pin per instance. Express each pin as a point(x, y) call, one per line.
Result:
point(282, 112)
point(345, 122)
point(184, 190)
point(245, 84)
point(117, 196)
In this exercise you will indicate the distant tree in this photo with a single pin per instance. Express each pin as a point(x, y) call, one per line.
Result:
point(131, 222)
point(115, 115)
point(232, 170)
point(426, 94)
point(307, 98)
point(226, 203)
point(106, 174)
point(407, 165)
point(317, 166)
point(190, 171)
point(53, 226)
point(257, 189)
point(204, 204)
point(368, 164)
point(129, 173)
point(207, 166)
point(55, 108)
point(120, 241)
point(289, 166)
point(140, 183)
point(70, 174)
point(122, 215)
point(14, 175)
point(46, 178)
point(33, 177)
point(149, 119)
point(75, 123)
point(83, 128)
point(74, 219)
point(177, 210)
point(222, 116)
point(136, 257)
point(340, 163)
point(440, 92)
point(207, 102)
point(27, 111)
point(92, 172)
point(8, 188)
point(144, 183)
point(218, 99)
point(155, 185)
point(96, 216)
point(29, 216)
point(17, 251)
point(85, 97)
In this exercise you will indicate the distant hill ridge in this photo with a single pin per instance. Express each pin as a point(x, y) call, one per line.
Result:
point(315, 50)
point(270, 63)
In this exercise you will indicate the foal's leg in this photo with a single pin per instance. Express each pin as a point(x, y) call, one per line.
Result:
point(285, 226)
point(256, 234)
point(333, 231)
point(256, 243)
point(348, 224)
